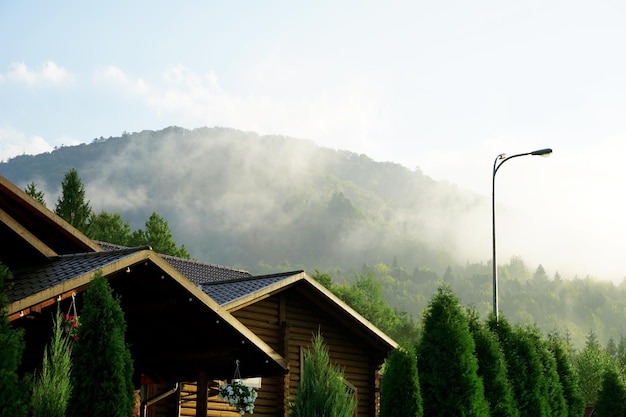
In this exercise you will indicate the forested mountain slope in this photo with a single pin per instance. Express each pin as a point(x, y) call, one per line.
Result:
point(273, 203)
point(234, 197)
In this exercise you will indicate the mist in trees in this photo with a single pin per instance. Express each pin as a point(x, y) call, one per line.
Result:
point(110, 227)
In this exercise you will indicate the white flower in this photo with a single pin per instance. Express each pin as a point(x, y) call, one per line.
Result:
point(239, 396)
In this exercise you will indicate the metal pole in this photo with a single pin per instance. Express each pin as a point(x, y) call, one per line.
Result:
point(500, 159)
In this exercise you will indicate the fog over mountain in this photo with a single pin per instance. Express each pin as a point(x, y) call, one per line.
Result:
point(237, 198)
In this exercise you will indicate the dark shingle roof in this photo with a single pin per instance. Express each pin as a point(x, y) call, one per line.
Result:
point(201, 272)
point(227, 291)
point(197, 272)
point(29, 281)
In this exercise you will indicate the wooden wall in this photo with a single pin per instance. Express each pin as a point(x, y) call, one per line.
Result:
point(287, 322)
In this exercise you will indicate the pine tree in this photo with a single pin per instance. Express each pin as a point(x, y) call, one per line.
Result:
point(12, 393)
point(52, 388)
point(400, 389)
point(492, 370)
point(448, 369)
point(102, 372)
point(31, 190)
point(612, 397)
point(71, 205)
point(321, 391)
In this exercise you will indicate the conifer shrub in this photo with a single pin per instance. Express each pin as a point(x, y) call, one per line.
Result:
point(400, 389)
point(52, 386)
point(525, 368)
point(448, 369)
point(492, 370)
point(102, 368)
point(612, 397)
point(321, 390)
point(569, 380)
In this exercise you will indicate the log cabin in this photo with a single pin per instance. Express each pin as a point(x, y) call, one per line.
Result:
point(188, 322)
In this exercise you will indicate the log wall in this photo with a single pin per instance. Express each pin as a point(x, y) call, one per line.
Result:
point(287, 322)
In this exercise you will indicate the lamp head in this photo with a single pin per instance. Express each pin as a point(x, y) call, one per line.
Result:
point(542, 152)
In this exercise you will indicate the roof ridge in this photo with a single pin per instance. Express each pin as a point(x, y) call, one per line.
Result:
point(103, 253)
point(250, 278)
point(203, 263)
point(177, 258)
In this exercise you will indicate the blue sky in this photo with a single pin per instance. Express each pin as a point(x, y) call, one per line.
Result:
point(443, 86)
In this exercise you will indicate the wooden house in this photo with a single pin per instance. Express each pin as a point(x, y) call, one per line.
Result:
point(188, 322)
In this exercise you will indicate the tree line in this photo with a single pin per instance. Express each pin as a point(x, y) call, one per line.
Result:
point(457, 365)
point(107, 227)
point(454, 363)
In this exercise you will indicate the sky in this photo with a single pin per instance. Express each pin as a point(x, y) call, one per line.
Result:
point(443, 87)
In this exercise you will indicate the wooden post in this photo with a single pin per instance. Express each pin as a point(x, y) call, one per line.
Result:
point(284, 350)
point(202, 395)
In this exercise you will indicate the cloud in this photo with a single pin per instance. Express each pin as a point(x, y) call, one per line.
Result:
point(48, 74)
point(275, 98)
point(14, 143)
point(114, 76)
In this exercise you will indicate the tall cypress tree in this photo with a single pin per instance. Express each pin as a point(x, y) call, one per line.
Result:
point(12, 393)
point(567, 376)
point(492, 370)
point(447, 366)
point(102, 371)
point(400, 394)
point(553, 390)
point(71, 205)
point(524, 368)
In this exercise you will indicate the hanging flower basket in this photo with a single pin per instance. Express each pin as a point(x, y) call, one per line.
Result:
point(238, 395)
point(70, 322)
point(70, 325)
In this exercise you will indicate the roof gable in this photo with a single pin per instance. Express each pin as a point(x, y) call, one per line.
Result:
point(32, 232)
point(235, 295)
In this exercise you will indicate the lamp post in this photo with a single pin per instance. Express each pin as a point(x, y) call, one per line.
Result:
point(500, 159)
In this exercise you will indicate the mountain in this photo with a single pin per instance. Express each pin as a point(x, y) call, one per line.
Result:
point(239, 198)
point(274, 203)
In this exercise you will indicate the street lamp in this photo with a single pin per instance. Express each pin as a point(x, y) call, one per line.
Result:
point(500, 159)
